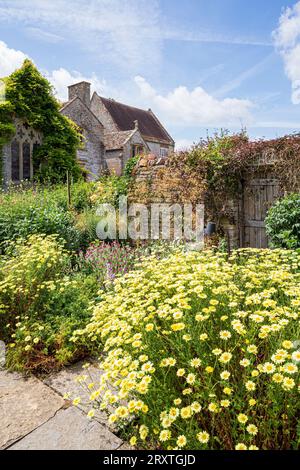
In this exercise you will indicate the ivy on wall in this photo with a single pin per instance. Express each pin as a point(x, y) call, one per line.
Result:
point(213, 170)
point(7, 129)
point(30, 96)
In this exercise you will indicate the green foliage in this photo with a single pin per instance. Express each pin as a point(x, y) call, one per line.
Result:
point(42, 303)
point(29, 96)
point(86, 224)
point(25, 211)
point(109, 188)
point(283, 222)
point(20, 221)
point(202, 351)
point(130, 164)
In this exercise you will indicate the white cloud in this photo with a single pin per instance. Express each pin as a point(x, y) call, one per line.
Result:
point(62, 78)
point(205, 36)
point(196, 107)
point(42, 35)
point(181, 106)
point(122, 32)
point(246, 75)
point(183, 144)
point(10, 59)
point(287, 41)
point(278, 124)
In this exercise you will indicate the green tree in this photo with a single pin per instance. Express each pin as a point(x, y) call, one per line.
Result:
point(283, 222)
point(29, 95)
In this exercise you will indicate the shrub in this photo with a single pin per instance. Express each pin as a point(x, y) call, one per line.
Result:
point(81, 192)
point(108, 189)
point(20, 221)
point(130, 165)
point(29, 273)
point(201, 350)
point(25, 211)
point(42, 340)
point(86, 225)
point(106, 260)
point(41, 304)
point(283, 222)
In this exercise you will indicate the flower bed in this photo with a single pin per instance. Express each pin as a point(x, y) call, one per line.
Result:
point(203, 351)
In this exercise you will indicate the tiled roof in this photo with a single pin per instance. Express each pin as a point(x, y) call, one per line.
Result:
point(116, 140)
point(124, 117)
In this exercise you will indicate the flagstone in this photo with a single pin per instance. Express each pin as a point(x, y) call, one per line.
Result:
point(69, 429)
point(25, 403)
point(64, 382)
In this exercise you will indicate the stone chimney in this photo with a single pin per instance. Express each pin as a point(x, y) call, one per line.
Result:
point(82, 90)
point(136, 124)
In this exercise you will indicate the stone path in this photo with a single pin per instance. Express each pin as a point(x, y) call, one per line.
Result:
point(34, 415)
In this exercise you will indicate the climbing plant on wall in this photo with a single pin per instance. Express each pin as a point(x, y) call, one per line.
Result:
point(29, 96)
point(213, 170)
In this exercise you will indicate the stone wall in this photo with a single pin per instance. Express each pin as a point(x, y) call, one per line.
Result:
point(92, 154)
point(148, 188)
point(155, 148)
point(156, 182)
point(136, 139)
point(100, 111)
point(147, 178)
point(82, 90)
point(113, 161)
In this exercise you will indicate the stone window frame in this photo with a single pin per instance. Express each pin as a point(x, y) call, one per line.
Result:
point(137, 149)
point(24, 135)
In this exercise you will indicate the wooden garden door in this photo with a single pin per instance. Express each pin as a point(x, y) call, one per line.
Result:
point(259, 194)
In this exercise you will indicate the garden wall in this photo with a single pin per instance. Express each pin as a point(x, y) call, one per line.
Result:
point(161, 181)
point(272, 170)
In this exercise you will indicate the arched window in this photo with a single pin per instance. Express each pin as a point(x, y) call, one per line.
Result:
point(22, 147)
point(15, 159)
point(27, 154)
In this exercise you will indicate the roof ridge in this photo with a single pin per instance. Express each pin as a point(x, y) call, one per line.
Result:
point(124, 104)
point(68, 102)
point(124, 117)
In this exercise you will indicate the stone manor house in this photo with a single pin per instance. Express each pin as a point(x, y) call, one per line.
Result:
point(112, 133)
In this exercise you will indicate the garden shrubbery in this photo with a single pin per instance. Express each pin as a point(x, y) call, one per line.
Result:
point(108, 260)
point(26, 211)
point(203, 351)
point(283, 222)
point(42, 302)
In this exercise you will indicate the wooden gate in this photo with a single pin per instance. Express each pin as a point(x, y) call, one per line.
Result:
point(259, 195)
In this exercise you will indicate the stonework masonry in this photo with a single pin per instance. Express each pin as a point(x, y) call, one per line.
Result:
point(17, 155)
point(92, 154)
point(112, 133)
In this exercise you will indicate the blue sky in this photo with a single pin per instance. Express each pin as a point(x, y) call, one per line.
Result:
point(199, 64)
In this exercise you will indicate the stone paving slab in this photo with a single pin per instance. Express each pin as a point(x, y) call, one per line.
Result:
point(64, 382)
point(25, 404)
point(69, 429)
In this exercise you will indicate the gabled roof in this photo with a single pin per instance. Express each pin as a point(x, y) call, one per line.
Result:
point(68, 104)
point(124, 117)
point(116, 140)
